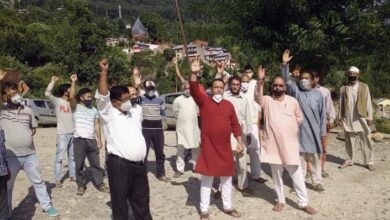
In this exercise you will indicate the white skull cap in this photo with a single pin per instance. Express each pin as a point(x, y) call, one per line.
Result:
point(149, 83)
point(354, 69)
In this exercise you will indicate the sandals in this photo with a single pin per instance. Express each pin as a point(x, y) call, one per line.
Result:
point(345, 165)
point(278, 207)
point(309, 210)
point(232, 212)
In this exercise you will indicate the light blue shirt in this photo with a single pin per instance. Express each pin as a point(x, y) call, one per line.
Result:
point(313, 108)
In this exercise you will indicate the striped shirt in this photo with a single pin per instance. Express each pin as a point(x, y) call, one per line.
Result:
point(17, 125)
point(84, 118)
point(153, 111)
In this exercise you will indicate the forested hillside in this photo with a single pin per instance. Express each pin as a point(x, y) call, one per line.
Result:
point(63, 36)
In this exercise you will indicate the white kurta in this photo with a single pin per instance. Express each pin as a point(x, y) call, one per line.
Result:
point(187, 129)
point(353, 121)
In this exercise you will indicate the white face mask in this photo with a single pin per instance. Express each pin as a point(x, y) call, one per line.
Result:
point(126, 106)
point(151, 93)
point(217, 98)
point(305, 84)
point(244, 86)
point(16, 99)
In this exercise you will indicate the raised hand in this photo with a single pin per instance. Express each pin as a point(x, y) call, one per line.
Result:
point(286, 57)
point(261, 73)
point(54, 78)
point(137, 76)
point(103, 64)
point(73, 77)
point(220, 66)
point(174, 60)
point(195, 66)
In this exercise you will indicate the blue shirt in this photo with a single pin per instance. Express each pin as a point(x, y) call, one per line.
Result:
point(313, 108)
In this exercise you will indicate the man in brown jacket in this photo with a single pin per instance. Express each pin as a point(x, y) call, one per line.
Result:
point(356, 116)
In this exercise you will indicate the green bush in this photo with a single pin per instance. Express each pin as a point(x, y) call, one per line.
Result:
point(383, 125)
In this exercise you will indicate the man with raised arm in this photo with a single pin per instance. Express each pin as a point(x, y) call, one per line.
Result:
point(126, 148)
point(282, 116)
point(312, 131)
point(65, 130)
point(87, 141)
point(19, 126)
point(219, 120)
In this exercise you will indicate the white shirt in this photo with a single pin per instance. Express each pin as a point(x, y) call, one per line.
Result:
point(123, 132)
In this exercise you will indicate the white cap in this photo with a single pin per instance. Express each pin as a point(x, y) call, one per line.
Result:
point(149, 83)
point(354, 69)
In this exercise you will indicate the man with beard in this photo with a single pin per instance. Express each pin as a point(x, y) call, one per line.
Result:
point(282, 116)
point(219, 120)
point(87, 139)
point(65, 129)
point(187, 129)
point(312, 131)
point(356, 116)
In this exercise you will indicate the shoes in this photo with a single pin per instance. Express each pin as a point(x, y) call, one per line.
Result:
point(325, 174)
point(58, 184)
point(72, 179)
point(370, 167)
point(103, 188)
point(177, 174)
point(292, 191)
point(52, 212)
point(345, 165)
point(164, 179)
point(81, 190)
point(246, 190)
point(319, 188)
point(260, 180)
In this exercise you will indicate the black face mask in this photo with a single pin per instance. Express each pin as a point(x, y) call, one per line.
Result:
point(277, 93)
point(134, 101)
point(352, 78)
point(87, 102)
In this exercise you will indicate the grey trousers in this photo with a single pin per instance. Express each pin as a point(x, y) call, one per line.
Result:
point(87, 148)
point(365, 143)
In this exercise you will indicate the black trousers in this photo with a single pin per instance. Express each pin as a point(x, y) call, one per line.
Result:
point(3, 198)
point(156, 137)
point(87, 148)
point(128, 181)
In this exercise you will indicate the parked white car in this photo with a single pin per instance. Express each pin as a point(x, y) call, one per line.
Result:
point(44, 111)
point(168, 98)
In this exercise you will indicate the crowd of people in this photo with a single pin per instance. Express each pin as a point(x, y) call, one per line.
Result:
point(216, 128)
